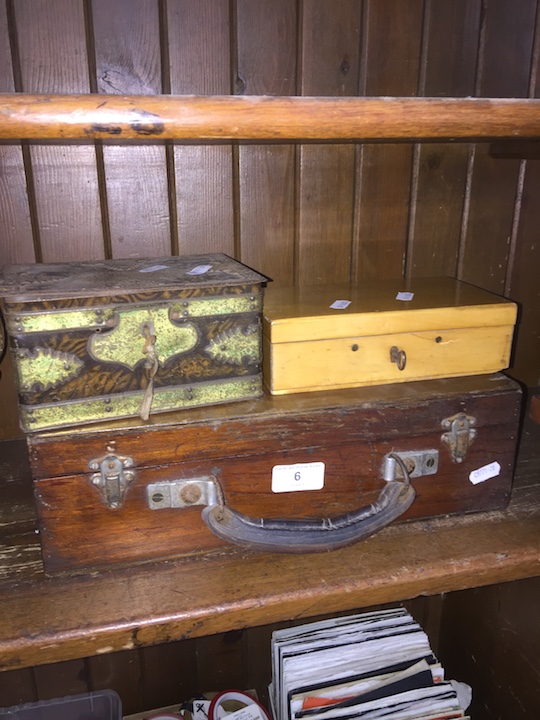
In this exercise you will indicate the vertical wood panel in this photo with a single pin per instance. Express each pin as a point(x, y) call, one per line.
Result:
point(16, 242)
point(259, 659)
point(16, 245)
point(484, 252)
point(169, 673)
point(52, 47)
point(16, 687)
point(16, 230)
point(120, 671)
point(127, 48)
point(330, 66)
point(392, 41)
point(199, 57)
point(525, 282)
point(267, 66)
point(441, 168)
point(523, 278)
point(220, 661)
point(59, 679)
point(489, 639)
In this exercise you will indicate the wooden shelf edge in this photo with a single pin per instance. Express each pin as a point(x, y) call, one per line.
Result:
point(54, 619)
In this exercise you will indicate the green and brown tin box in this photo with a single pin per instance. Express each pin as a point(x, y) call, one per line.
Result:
point(93, 341)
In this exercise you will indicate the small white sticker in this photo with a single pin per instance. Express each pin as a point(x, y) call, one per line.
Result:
point(154, 268)
point(406, 296)
point(250, 712)
point(485, 473)
point(200, 709)
point(300, 476)
point(340, 304)
point(199, 270)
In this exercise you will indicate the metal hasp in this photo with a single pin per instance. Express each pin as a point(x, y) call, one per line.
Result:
point(417, 462)
point(113, 478)
point(183, 493)
point(460, 435)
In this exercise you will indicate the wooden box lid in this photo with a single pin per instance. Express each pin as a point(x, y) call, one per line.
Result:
point(379, 308)
point(20, 283)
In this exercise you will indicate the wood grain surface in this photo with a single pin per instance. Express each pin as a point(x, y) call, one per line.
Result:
point(440, 169)
point(132, 117)
point(171, 672)
point(488, 180)
point(298, 211)
point(199, 60)
point(453, 210)
point(128, 62)
point(391, 47)
point(229, 590)
point(350, 437)
point(65, 178)
point(267, 65)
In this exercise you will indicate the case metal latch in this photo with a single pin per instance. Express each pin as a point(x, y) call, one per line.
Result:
point(417, 462)
point(460, 435)
point(183, 493)
point(113, 478)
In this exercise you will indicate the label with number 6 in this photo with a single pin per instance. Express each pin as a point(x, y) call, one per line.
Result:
point(300, 476)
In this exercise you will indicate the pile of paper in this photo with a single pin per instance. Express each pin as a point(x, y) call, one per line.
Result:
point(367, 666)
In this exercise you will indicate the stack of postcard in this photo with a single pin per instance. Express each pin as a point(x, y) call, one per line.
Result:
point(373, 665)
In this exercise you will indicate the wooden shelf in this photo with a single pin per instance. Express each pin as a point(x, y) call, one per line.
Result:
point(47, 620)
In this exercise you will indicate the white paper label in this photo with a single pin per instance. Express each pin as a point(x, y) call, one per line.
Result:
point(200, 709)
point(406, 296)
point(199, 270)
point(250, 712)
point(301, 476)
point(340, 304)
point(485, 473)
point(153, 268)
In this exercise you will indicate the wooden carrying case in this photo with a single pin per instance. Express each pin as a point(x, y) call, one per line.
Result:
point(385, 331)
point(116, 338)
point(118, 493)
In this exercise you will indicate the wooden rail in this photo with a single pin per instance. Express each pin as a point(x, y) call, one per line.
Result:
point(165, 117)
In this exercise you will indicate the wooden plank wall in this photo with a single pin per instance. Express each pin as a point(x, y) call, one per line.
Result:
point(300, 213)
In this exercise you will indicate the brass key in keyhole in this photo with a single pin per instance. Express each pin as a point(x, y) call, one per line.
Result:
point(398, 356)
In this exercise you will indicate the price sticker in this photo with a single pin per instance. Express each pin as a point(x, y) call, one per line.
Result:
point(485, 473)
point(297, 477)
point(199, 270)
point(405, 296)
point(340, 304)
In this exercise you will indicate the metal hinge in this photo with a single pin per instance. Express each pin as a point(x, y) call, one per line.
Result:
point(460, 435)
point(417, 462)
point(113, 478)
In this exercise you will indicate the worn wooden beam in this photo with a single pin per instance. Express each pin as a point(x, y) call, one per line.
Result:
point(219, 118)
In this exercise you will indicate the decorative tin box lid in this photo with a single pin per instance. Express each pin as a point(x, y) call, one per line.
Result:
point(379, 308)
point(19, 283)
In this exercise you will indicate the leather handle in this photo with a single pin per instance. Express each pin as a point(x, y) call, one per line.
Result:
point(303, 536)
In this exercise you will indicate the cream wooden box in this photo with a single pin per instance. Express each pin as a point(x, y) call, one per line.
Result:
point(339, 336)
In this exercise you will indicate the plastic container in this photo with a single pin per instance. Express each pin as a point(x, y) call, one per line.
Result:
point(99, 705)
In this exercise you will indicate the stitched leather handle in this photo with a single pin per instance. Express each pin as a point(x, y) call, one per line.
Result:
point(303, 536)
